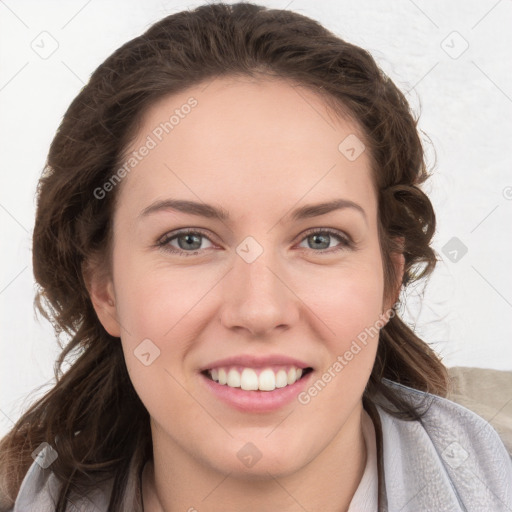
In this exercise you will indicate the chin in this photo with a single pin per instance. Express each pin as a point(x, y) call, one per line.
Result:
point(258, 460)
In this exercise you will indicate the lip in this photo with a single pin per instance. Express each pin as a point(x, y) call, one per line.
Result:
point(256, 401)
point(254, 361)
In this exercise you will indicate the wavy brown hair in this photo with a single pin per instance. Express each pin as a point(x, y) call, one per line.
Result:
point(93, 416)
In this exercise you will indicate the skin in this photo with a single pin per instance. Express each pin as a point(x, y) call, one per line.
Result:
point(257, 148)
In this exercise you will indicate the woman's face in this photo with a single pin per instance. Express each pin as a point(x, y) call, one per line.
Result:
point(275, 286)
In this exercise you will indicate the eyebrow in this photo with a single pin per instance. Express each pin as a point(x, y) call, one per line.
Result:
point(213, 212)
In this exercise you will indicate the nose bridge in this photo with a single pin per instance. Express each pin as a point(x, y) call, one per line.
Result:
point(256, 297)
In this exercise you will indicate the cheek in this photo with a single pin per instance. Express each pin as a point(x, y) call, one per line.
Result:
point(347, 299)
point(163, 310)
point(349, 308)
point(153, 307)
point(352, 311)
point(152, 299)
point(356, 306)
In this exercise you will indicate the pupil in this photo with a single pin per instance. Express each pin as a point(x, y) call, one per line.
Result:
point(188, 238)
point(325, 237)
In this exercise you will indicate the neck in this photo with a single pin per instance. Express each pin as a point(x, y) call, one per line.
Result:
point(326, 483)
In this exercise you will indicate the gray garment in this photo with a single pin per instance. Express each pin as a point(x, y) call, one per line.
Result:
point(452, 460)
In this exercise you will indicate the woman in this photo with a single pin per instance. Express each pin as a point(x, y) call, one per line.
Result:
point(250, 370)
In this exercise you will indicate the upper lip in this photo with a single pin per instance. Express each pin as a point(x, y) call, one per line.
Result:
point(253, 361)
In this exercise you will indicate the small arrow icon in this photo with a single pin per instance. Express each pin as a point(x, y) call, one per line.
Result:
point(454, 455)
point(44, 455)
point(351, 147)
point(249, 249)
point(454, 249)
point(249, 455)
point(44, 44)
point(454, 45)
point(146, 352)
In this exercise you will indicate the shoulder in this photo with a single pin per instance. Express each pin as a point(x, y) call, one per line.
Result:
point(40, 489)
point(451, 459)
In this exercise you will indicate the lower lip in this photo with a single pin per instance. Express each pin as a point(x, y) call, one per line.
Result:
point(256, 401)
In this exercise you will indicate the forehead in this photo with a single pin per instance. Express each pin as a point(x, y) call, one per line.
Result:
point(241, 137)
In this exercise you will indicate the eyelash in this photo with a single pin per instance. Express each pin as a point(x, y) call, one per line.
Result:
point(346, 242)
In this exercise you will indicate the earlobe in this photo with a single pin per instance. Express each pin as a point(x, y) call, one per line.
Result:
point(398, 260)
point(399, 264)
point(102, 294)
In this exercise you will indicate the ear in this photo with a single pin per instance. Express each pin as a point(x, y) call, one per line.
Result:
point(101, 290)
point(398, 259)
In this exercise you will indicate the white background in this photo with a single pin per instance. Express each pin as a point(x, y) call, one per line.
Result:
point(466, 110)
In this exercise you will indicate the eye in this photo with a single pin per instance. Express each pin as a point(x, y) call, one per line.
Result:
point(321, 238)
point(189, 241)
point(186, 239)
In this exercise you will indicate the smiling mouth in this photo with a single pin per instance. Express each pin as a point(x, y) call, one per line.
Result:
point(257, 379)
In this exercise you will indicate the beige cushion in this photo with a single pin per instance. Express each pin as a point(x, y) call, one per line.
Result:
point(488, 393)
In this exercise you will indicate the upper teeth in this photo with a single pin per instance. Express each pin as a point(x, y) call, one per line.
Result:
point(249, 380)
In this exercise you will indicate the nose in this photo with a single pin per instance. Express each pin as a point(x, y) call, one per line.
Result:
point(257, 297)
